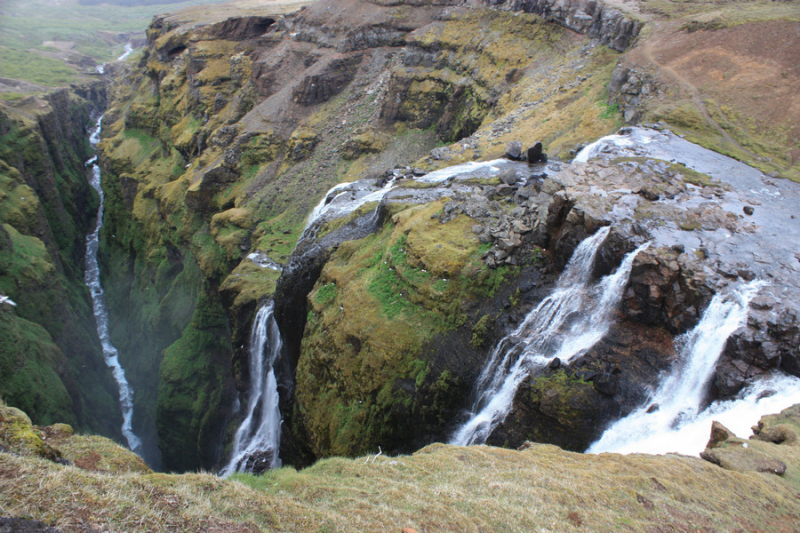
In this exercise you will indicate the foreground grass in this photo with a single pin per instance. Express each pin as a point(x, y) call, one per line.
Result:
point(440, 488)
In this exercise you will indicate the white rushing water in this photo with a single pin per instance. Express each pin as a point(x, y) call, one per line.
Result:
point(92, 280)
point(258, 437)
point(345, 198)
point(564, 325)
point(671, 421)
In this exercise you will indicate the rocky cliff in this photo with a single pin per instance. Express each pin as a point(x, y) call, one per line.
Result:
point(220, 142)
point(51, 363)
point(223, 139)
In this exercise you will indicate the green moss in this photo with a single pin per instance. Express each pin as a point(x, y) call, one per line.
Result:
point(29, 379)
point(18, 434)
point(479, 331)
point(394, 291)
point(325, 295)
point(191, 382)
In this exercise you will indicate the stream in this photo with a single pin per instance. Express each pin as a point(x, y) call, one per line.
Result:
point(92, 280)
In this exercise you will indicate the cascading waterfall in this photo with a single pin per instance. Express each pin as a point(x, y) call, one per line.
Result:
point(92, 280)
point(564, 325)
point(671, 421)
point(257, 440)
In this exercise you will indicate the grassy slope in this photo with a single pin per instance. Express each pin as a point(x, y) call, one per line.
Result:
point(439, 488)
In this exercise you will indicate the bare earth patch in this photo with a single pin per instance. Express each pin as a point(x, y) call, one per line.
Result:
point(742, 83)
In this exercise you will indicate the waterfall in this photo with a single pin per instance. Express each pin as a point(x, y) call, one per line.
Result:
point(671, 421)
point(92, 280)
point(564, 325)
point(257, 441)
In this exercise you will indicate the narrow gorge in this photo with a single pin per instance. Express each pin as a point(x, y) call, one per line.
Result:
point(331, 236)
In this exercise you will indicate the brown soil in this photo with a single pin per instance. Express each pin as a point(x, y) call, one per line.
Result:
point(89, 462)
point(751, 71)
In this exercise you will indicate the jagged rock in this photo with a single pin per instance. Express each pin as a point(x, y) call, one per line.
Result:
point(719, 434)
point(327, 80)
point(514, 150)
point(519, 227)
point(505, 190)
point(630, 89)
point(239, 28)
point(598, 20)
point(509, 177)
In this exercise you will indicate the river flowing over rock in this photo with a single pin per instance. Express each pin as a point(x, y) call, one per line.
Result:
point(409, 183)
point(92, 279)
point(357, 255)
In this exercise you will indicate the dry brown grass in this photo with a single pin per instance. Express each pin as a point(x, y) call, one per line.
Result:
point(440, 488)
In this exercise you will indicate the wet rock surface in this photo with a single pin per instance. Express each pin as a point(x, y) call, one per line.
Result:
point(649, 186)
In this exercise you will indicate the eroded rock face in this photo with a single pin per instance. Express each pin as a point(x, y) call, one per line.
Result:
point(263, 127)
point(240, 28)
point(593, 18)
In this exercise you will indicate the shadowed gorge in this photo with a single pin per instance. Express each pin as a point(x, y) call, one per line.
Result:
point(336, 234)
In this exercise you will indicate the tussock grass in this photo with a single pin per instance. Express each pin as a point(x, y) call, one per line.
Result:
point(439, 488)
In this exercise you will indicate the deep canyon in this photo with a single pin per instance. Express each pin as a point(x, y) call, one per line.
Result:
point(363, 228)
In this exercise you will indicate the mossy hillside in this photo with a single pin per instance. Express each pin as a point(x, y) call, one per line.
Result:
point(481, 54)
point(708, 14)
point(379, 301)
point(46, 208)
point(193, 382)
point(58, 441)
point(557, 97)
point(722, 79)
point(439, 488)
point(95, 453)
point(29, 363)
point(19, 436)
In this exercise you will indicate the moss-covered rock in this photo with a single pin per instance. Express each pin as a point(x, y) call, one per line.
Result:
point(51, 364)
point(18, 435)
point(366, 367)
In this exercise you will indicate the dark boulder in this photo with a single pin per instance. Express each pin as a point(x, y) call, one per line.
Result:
point(535, 153)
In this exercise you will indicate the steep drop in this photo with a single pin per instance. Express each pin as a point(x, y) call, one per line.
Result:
point(562, 326)
point(673, 419)
point(257, 441)
point(92, 279)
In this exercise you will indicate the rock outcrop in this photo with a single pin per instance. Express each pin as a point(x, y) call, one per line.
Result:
point(594, 18)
